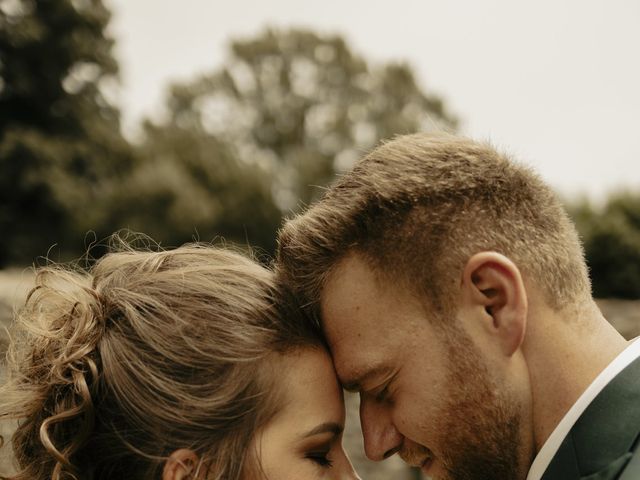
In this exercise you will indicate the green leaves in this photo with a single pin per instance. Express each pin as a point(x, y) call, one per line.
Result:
point(60, 144)
point(239, 147)
point(611, 237)
point(286, 112)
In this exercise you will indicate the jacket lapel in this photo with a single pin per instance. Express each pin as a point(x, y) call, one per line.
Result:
point(612, 470)
point(598, 445)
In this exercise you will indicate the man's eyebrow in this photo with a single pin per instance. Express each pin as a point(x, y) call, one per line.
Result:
point(327, 427)
point(355, 384)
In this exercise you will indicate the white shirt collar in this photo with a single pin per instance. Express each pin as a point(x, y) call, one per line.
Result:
point(551, 446)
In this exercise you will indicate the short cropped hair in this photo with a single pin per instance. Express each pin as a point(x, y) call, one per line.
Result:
point(418, 207)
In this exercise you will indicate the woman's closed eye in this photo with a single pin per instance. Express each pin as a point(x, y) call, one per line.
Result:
point(320, 458)
point(320, 441)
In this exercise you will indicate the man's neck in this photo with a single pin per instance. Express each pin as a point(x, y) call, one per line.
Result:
point(565, 353)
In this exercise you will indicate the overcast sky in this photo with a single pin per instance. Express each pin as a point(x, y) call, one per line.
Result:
point(554, 82)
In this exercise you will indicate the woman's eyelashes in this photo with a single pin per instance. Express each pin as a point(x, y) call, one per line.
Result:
point(320, 458)
point(324, 444)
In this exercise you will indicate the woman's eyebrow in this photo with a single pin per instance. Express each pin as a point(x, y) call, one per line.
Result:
point(327, 427)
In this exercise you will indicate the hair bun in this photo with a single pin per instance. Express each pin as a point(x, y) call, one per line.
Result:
point(62, 321)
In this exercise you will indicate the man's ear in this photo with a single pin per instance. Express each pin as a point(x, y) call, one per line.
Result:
point(181, 465)
point(492, 286)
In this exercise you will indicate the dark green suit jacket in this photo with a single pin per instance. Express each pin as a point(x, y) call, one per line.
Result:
point(603, 444)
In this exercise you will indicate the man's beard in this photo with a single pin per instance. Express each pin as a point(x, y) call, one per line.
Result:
point(480, 426)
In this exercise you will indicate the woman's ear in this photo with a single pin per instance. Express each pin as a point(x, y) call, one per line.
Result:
point(181, 465)
point(493, 288)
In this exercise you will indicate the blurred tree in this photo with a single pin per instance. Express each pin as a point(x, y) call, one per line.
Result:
point(299, 105)
point(237, 148)
point(191, 186)
point(611, 237)
point(60, 143)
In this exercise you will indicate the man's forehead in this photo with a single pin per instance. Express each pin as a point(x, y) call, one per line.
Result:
point(347, 291)
point(349, 328)
point(356, 348)
point(353, 266)
point(358, 317)
point(346, 344)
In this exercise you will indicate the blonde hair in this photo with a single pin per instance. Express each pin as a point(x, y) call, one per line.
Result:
point(418, 207)
point(147, 352)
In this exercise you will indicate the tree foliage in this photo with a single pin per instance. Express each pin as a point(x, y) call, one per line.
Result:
point(242, 145)
point(60, 143)
point(301, 106)
point(611, 237)
point(237, 147)
point(190, 186)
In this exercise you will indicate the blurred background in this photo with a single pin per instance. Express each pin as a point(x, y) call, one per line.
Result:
point(212, 121)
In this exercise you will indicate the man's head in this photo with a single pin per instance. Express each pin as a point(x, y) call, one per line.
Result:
point(426, 392)
point(417, 207)
point(418, 264)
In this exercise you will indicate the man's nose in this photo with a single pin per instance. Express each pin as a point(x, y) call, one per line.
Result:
point(381, 438)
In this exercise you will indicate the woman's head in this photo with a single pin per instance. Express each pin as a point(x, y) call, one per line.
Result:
point(146, 355)
point(303, 440)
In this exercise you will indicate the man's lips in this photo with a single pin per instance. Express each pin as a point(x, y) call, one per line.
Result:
point(426, 465)
point(417, 456)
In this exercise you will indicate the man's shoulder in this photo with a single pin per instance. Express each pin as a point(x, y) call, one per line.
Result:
point(631, 471)
point(603, 443)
